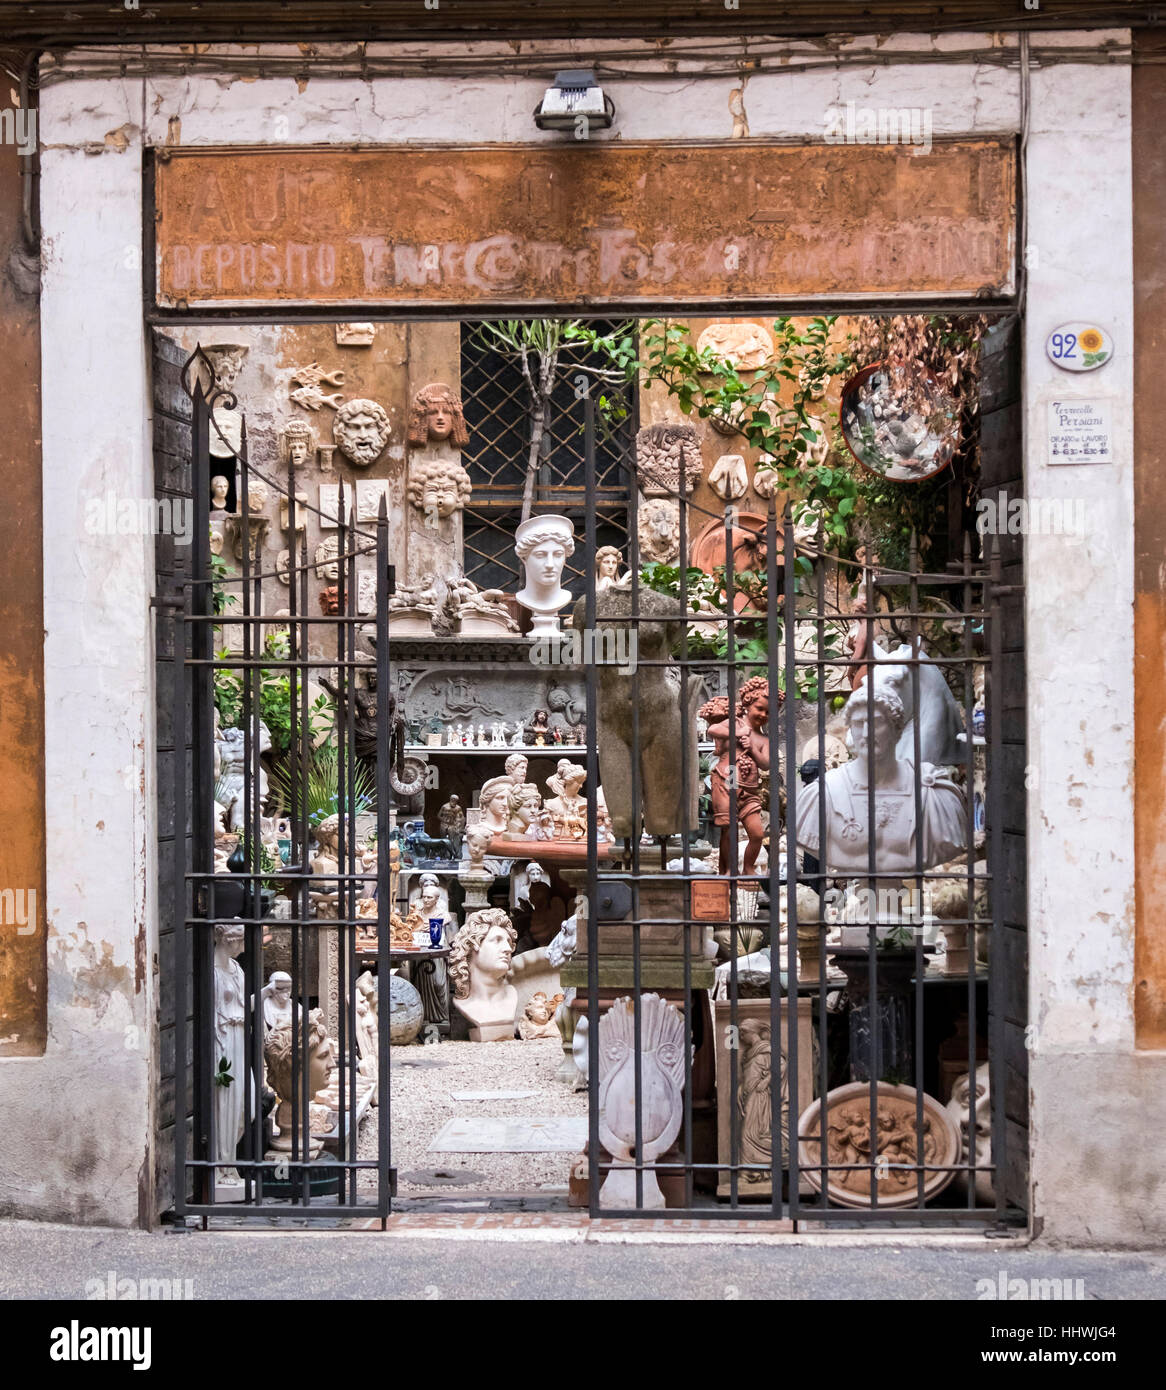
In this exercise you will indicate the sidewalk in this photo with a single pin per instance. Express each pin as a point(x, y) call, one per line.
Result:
point(546, 1256)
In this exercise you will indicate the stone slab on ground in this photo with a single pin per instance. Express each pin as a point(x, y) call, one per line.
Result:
point(422, 1080)
point(516, 1134)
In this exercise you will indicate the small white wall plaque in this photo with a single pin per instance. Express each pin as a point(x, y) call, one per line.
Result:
point(1080, 431)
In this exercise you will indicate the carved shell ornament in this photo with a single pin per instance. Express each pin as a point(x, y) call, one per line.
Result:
point(662, 1042)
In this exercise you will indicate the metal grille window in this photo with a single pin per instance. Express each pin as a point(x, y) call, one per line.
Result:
point(498, 416)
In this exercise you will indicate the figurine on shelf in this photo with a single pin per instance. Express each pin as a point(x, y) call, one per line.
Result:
point(481, 736)
point(453, 736)
point(539, 728)
point(497, 735)
point(750, 728)
point(518, 737)
point(567, 806)
point(452, 820)
point(556, 735)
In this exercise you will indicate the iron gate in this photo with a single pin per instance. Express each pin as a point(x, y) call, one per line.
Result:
point(221, 917)
point(745, 1145)
point(771, 1156)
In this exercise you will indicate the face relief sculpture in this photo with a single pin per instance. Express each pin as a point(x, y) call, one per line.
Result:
point(436, 416)
point(361, 431)
point(297, 443)
point(845, 788)
point(543, 544)
point(479, 964)
point(438, 486)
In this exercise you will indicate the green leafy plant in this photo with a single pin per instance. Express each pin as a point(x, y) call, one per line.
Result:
point(222, 1076)
point(323, 796)
point(772, 408)
point(275, 698)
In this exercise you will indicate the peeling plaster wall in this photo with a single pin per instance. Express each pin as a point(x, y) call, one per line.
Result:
point(1095, 1102)
point(75, 1142)
point(98, 652)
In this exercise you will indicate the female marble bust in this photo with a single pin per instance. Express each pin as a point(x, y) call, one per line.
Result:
point(845, 790)
point(607, 565)
point(566, 783)
point(479, 964)
point(543, 543)
point(494, 800)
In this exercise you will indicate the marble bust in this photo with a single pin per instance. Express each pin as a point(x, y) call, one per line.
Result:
point(567, 805)
point(845, 790)
point(219, 488)
point(494, 801)
point(516, 768)
point(607, 569)
point(278, 1009)
point(479, 964)
point(543, 544)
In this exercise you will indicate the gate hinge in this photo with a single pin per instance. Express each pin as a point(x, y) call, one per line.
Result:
point(171, 602)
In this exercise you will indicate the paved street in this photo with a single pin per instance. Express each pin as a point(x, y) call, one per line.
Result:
point(568, 1262)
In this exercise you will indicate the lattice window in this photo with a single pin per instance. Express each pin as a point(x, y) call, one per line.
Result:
point(497, 412)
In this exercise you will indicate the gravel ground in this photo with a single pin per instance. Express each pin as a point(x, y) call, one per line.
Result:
point(422, 1080)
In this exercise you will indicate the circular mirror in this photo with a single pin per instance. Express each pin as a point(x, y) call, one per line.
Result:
point(898, 421)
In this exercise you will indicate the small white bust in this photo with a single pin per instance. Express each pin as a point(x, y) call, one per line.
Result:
point(543, 544)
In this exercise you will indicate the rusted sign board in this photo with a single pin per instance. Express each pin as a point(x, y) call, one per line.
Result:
point(583, 224)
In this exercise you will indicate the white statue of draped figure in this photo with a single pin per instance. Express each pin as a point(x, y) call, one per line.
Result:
point(230, 1016)
point(845, 791)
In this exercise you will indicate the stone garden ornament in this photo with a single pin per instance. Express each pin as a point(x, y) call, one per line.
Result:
point(661, 1085)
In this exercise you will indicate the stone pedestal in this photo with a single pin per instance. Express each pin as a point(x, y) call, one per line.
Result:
point(881, 1033)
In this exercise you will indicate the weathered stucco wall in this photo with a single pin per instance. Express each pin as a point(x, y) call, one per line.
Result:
point(1095, 1172)
point(74, 1144)
point(1092, 1168)
point(23, 966)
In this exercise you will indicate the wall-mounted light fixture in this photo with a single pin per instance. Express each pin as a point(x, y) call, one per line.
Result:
point(574, 98)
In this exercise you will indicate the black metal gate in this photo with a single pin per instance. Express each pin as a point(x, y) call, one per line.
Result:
point(230, 1157)
point(713, 1090)
point(772, 1055)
